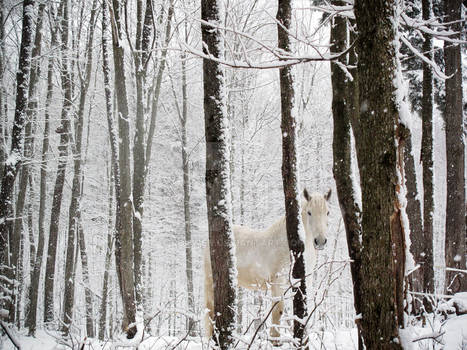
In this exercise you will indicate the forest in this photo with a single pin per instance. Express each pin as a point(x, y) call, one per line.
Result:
point(233, 174)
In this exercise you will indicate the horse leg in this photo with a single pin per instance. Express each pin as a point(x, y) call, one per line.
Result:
point(278, 303)
point(208, 301)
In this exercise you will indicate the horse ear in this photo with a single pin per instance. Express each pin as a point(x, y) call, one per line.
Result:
point(306, 194)
point(328, 195)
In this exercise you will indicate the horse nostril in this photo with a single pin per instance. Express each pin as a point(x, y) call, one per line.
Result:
point(325, 240)
point(316, 241)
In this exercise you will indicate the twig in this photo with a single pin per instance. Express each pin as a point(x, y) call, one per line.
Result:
point(10, 335)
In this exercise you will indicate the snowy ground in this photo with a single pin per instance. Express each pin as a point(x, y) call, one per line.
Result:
point(450, 335)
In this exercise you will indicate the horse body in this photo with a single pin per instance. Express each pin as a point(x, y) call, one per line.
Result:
point(263, 257)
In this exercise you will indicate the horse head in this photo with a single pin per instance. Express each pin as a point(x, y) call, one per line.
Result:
point(315, 218)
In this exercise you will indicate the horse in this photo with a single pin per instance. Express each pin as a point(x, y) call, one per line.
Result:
point(263, 257)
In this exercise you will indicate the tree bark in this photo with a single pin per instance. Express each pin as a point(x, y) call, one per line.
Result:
point(14, 159)
point(455, 157)
point(295, 233)
point(34, 287)
point(221, 239)
point(74, 211)
point(343, 106)
point(382, 255)
point(414, 213)
point(427, 162)
point(27, 152)
point(143, 31)
point(63, 130)
point(124, 248)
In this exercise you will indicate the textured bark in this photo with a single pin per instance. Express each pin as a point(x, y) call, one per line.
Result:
point(427, 162)
point(28, 152)
point(74, 209)
point(86, 281)
point(382, 254)
point(14, 160)
point(221, 240)
point(414, 214)
point(143, 31)
point(34, 287)
point(455, 158)
point(63, 130)
point(343, 105)
point(124, 250)
point(290, 177)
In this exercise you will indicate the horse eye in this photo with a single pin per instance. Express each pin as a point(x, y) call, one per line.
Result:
point(327, 214)
point(309, 213)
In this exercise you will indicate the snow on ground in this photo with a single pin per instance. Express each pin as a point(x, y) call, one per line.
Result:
point(449, 335)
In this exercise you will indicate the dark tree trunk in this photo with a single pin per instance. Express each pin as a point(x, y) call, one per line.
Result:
point(63, 130)
point(13, 161)
point(124, 249)
point(414, 214)
point(455, 157)
point(343, 105)
point(221, 239)
point(86, 281)
point(427, 162)
point(290, 177)
point(28, 150)
point(34, 287)
point(383, 251)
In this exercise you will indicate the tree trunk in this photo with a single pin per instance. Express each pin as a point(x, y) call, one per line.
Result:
point(3, 115)
point(186, 202)
point(427, 162)
point(74, 211)
point(143, 31)
point(343, 105)
point(290, 181)
point(382, 255)
point(28, 150)
point(455, 157)
point(34, 287)
point(221, 239)
point(108, 256)
point(63, 130)
point(86, 281)
point(13, 161)
point(414, 214)
point(124, 249)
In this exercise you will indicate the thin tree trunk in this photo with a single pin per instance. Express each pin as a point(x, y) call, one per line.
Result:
point(63, 130)
point(186, 201)
point(74, 210)
point(427, 162)
point(14, 159)
point(124, 244)
point(108, 256)
point(343, 105)
point(382, 254)
point(414, 214)
point(221, 239)
point(34, 287)
point(455, 157)
point(3, 115)
point(86, 281)
point(290, 178)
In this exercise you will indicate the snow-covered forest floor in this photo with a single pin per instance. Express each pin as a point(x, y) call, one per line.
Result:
point(448, 335)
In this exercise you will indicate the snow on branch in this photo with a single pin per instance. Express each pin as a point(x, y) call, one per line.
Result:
point(424, 26)
point(420, 55)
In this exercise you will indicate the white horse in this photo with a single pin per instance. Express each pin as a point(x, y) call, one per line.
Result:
point(263, 258)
